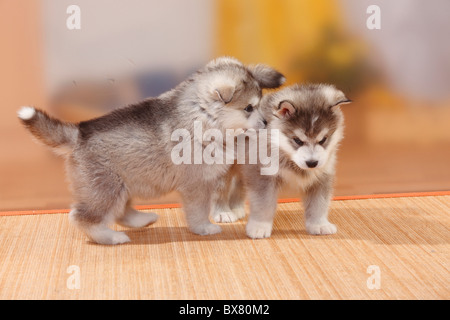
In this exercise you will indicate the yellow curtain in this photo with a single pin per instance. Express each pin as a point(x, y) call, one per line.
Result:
point(305, 39)
point(273, 31)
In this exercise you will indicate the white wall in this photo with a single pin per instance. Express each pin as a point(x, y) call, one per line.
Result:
point(412, 46)
point(125, 36)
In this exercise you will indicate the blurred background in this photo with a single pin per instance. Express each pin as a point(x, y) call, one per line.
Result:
point(397, 129)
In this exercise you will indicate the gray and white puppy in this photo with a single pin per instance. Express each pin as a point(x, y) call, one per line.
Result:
point(310, 126)
point(127, 153)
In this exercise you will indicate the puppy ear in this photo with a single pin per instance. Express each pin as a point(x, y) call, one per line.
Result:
point(267, 77)
point(225, 93)
point(339, 98)
point(345, 101)
point(285, 110)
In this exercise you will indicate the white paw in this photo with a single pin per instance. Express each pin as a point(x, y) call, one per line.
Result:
point(109, 237)
point(206, 229)
point(225, 217)
point(101, 234)
point(119, 238)
point(258, 230)
point(321, 229)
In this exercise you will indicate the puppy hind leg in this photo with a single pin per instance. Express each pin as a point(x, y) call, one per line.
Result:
point(133, 218)
point(97, 231)
point(94, 214)
point(197, 206)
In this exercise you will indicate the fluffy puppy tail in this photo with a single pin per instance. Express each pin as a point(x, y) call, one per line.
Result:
point(60, 136)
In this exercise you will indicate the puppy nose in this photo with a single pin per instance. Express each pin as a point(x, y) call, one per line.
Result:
point(312, 163)
point(265, 122)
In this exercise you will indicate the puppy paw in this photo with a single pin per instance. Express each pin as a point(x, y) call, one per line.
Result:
point(119, 238)
point(150, 217)
point(225, 217)
point(258, 230)
point(321, 229)
point(206, 229)
point(137, 219)
point(109, 237)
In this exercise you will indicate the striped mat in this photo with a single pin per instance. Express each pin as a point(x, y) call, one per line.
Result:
point(386, 248)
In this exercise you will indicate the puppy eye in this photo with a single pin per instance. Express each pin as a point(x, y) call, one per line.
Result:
point(321, 142)
point(249, 108)
point(298, 141)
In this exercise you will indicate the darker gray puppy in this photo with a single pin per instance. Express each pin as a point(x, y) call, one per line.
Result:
point(129, 152)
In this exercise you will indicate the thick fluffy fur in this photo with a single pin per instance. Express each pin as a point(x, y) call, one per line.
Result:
point(127, 153)
point(310, 125)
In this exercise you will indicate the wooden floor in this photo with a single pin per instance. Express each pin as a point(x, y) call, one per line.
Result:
point(391, 248)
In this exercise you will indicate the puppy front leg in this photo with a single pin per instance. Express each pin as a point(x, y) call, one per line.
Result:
point(197, 206)
point(263, 205)
point(316, 202)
